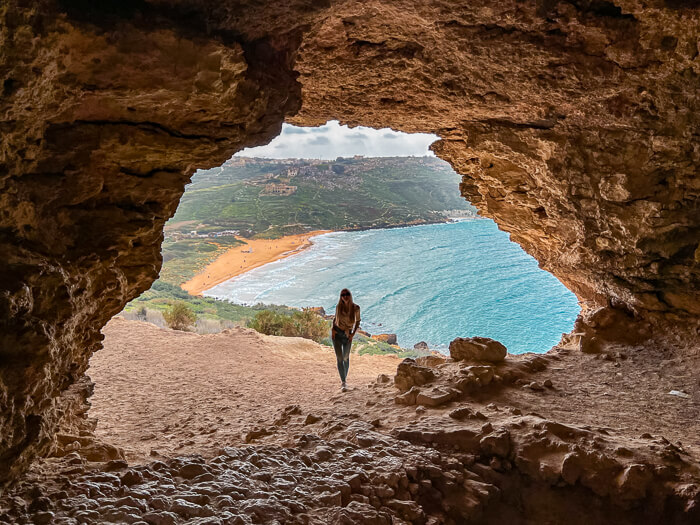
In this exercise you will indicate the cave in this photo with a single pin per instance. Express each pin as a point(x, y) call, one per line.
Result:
point(573, 124)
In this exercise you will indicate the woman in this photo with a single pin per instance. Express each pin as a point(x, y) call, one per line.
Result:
point(345, 324)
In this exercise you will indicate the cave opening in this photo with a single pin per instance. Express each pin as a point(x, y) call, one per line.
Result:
point(571, 124)
point(285, 224)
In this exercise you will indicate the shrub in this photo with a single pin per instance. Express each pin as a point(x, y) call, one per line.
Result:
point(267, 322)
point(310, 325)
point(180, 316)
point(141, 313)
point(305, 324)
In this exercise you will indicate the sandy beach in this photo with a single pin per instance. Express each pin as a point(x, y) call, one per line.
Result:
point(255, 253)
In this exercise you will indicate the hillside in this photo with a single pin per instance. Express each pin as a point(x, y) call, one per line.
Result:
point(270, 198)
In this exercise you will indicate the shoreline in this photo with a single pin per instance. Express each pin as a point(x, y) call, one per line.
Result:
point(241, 259)
point(222, 269)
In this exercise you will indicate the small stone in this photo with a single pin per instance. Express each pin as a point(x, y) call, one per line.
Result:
point(548, 383)
point(311, 419)
point(462, 413)
point(43, 518)
point(160, 518)
point(255, 434)
point(131, 477)
point(115, 464)
point(191, 470)
point(323, 453)
point(435, 397)
point(408, 398)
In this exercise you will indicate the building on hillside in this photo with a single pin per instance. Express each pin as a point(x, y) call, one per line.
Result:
point(279, 189)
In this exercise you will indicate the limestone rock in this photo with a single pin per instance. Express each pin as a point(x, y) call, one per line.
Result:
point(571, 124)
point(462, 413)
point(431, 361)
point(409, 397)
point(477, 349)
point(311, 419)
point(409, 374)
point(484, 374)
point(386, 338)
point(436, 396)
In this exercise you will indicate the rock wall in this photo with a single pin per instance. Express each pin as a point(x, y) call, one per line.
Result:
point(103, 124)
point(574, 125)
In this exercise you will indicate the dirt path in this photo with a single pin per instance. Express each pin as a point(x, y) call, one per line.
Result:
point(176, 392)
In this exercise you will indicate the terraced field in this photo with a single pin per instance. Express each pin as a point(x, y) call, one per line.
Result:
point(342, 194)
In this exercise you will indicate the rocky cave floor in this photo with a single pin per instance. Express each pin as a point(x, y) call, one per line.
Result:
point(242, 428)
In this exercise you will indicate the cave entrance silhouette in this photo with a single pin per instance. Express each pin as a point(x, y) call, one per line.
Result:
point(232, 203)
point(568, 122)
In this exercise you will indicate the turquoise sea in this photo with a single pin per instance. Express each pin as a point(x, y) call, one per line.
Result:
point(424, 283)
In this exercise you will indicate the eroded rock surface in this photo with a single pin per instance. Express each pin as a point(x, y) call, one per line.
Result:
point(497, 451)
point(574, 125)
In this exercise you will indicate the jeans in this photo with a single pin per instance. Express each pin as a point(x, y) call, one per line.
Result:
point(342, 346)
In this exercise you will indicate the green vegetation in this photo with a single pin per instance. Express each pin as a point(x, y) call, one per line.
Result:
point(366, 345)
point(342, 194)
point(180, 316)
point(303, 323)
point(182, 259)
point(163, 293)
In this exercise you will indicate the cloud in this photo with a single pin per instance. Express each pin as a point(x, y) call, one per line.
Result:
point(333, 140)
point(293, 130)
point(318, 141)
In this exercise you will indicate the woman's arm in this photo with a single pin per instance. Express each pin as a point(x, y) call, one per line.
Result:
point(356, 327)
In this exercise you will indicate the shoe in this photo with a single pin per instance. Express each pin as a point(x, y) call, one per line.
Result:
point(343, 387)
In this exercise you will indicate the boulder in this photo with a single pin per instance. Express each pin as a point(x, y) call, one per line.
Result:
point(477, 349)
point(383, 379)
point(409, 374)
point(386, 338)
point(421, 346)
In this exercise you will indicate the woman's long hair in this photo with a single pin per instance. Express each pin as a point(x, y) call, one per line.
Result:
point(343, 308)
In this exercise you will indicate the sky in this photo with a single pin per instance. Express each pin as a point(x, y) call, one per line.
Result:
point(333, 140)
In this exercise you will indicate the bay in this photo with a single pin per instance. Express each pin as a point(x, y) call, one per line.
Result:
point(424, 283)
